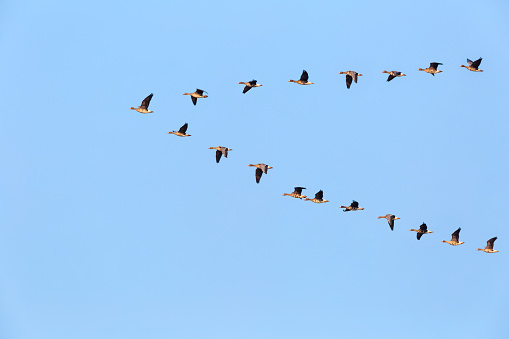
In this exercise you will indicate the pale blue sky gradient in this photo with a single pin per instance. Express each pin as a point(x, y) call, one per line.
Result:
point(112, 228)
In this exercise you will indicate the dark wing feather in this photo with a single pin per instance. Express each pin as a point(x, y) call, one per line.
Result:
point(476, 63)
point(183, 129)
point(354, 204)
point(456, 235)
point(247, 88)
point(146, 101)
point(258, 175)
point(390, 77)
point(218, 156)
point(298, 190)
point(391, 222)
point(304, 77)
point(423, 228)
point(252, 82)
point(199, 91)
point(319, 195)
point(224, 150)
point(355, 76)
point(419, 235)
point(489, 244)
point(435, 65)
point(194, 100)
point(265, 168)
point(348, 81)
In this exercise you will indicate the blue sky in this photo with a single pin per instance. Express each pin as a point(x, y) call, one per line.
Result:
point(112, 228)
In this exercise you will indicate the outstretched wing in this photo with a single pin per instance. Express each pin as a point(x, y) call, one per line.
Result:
point(354, 204)
point(298, 190)
point(419, 235)
point(224, 150)
point(319, 195)
point(194, 100)
point(146, 101)
point(304, 77)
point(423, 228)
point(199, 91)
point(183, 129)
point(435, 65)
point(355, 76)
point(218, 156)
point(476, 63)
point(348, 81)
point(258, 175)
point(391, 222)
point(390, 77)
point(253, 82)
point(456, 235)
point(247, 88)
point(489, 244)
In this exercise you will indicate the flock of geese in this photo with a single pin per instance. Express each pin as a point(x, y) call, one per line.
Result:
point(297, 193)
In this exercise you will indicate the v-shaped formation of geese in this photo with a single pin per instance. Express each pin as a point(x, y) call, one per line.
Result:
point(220, 150)
point(297, 193)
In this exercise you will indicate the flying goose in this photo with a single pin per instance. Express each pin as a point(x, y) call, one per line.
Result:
point(432, 69)
point(473, 65)
point(144, 105)
point(249, 85)
point(181, 132)
point(455, 240)
point(422, 230)
point(489, 246)
point(354, 206)
point(197, 94)
point(220, 150)
point(297, 193)
point(318, 198)
point(260, 169)
point(393, 74)
point(390, 219)
point(303, 79)
point(349, 76)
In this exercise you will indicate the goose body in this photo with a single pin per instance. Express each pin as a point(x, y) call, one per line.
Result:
point(423, 229)
point(350, 75)
point(394, 74)
point(390, 219)
point(489, 246)
point(249, 85)
point(432, 69)
point(318, 199)
point(455, 240)
point(197, 94)
point(181, 132)
point(297, 193)
point(143, 108)
point(473, 65)
point(220, 151)
point(354, 206)
point(303, 79)
point(260, 169)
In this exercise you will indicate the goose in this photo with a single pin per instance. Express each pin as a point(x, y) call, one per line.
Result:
point(432, 69)
point(220, 150)
point(303, 79)
point(318, 198)
point(393, 74)
point(144, 105)
point(390, 219)
point(473, 65)
point(423, 229)
point(354, 206)
point(260, 169)
point(297, 193)
point(197, 94)
point(455, 240)
point(181, 132)
point(349, 76)
point(249, 85)
point(489, 246)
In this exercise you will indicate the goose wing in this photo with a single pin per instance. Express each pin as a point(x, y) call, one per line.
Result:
point(183, 129)
point(258, 175)
point(304, 77)
point(489, 244)
point(435, 65)
point(224, 150)
point(476, 63)
point(348, 81)
point(354, 204)
point(355, 76)
point(298, 190)
point(218, 156)
point(419, 235)
point(390, 220)
point(253, 82)
point(390, 77)
point(247, 88)
point(194, 100)
point(200, 91)
point(319, 195)
point(146, 101)
point(456, 235)
point(423, 228)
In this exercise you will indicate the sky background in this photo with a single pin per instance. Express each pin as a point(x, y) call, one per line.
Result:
point(112, 228)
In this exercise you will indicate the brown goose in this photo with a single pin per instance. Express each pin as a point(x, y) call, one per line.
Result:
point(297, 193)
point(260, 169)
point(220, 150)
point(181, 132)
point(249, 85)
point(318, 198)
point(197, 94)
point(350, 75)
point(390, 219)
point(303, 79)
point(473, 65)
point(455, 240)
point(422, 230)
point(354, 206)
point(393, 74)
point(143, 108)
point(432, 69)
point(489, 246)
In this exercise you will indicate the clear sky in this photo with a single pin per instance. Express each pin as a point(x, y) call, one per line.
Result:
point(112, 228)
